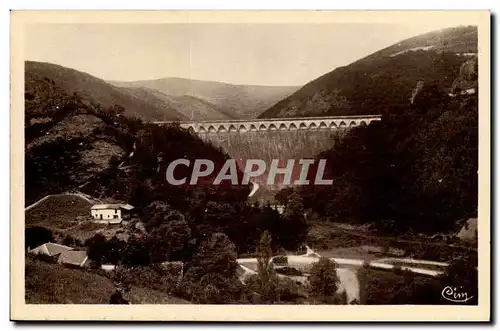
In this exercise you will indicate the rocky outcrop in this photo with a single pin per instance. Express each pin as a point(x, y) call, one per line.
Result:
point(467, 78)
point(416, 90)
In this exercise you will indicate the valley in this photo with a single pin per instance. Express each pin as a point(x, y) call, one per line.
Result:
point(398, 130)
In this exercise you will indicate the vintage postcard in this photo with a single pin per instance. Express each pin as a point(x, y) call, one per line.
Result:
point(250, 165)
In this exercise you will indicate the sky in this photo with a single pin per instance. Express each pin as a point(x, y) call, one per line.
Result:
point(252, 54)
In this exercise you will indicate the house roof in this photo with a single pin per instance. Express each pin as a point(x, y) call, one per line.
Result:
point(50, 249)
point(127, 207)
point(77, 258)
point(112, 206)
point(468, 230)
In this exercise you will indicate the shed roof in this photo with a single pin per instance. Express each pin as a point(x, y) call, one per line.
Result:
point(77, 258)
point(50, 249)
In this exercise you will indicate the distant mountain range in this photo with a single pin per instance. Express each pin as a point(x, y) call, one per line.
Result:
point(95, 90)
point(383, 81)
point(167, 99)
point(377, 84)
point(214, 100)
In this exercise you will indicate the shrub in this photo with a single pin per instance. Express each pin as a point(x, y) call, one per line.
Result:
point(280, 260)
point(284, 290)
point(152, 276)
point(289, 271)
point(212, 289)
point(289, 291)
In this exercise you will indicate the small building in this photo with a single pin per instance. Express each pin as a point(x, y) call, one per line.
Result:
point(468, 232)
point(108, 267)
point(111, 213)
point(73, 258)
point(279, 208)
point(51, 250)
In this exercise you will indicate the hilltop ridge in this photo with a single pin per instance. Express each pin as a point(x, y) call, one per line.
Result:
point(382, 82)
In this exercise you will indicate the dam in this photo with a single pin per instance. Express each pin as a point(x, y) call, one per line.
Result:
point(327, 123)
point(274, 138)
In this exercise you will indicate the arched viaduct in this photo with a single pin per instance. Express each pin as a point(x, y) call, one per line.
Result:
point(277, 124)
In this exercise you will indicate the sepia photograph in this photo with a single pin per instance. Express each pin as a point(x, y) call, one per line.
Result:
point(250, 165)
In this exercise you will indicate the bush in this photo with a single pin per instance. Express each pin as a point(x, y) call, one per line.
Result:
point(280, 260)
point(151, 276)
point(285, 290)
point(289, 291)
point(69, 241)
point(289, 271)
point(212, 289)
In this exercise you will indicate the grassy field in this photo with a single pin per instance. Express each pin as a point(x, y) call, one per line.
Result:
point(67, 214)
point(48, 283)
point(53, 284)
point(58, 211)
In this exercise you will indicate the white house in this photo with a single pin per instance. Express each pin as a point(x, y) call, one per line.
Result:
point(279, 208)
point(110, 213)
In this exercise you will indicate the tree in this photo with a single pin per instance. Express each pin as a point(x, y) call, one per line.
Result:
point(268, 280)
point(157, 213)
point(323, 280)
point(211, 275)
point(114, 248)
point(37, 235)
point(170, 241)
point(293, 230)
point(283, 195)
point(136, 252)
point(217, 255)
point(96, 248)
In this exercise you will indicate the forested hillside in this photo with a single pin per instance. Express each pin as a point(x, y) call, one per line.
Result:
point(73, 144)
point(412, 171)
point(382, 83)
point(39, 75)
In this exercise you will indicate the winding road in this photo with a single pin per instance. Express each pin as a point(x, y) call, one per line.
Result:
point(347, 270)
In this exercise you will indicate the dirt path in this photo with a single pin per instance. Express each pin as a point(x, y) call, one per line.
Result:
point(350, 284)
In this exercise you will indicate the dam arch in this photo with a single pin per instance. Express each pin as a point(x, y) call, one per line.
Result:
point(277, 124)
